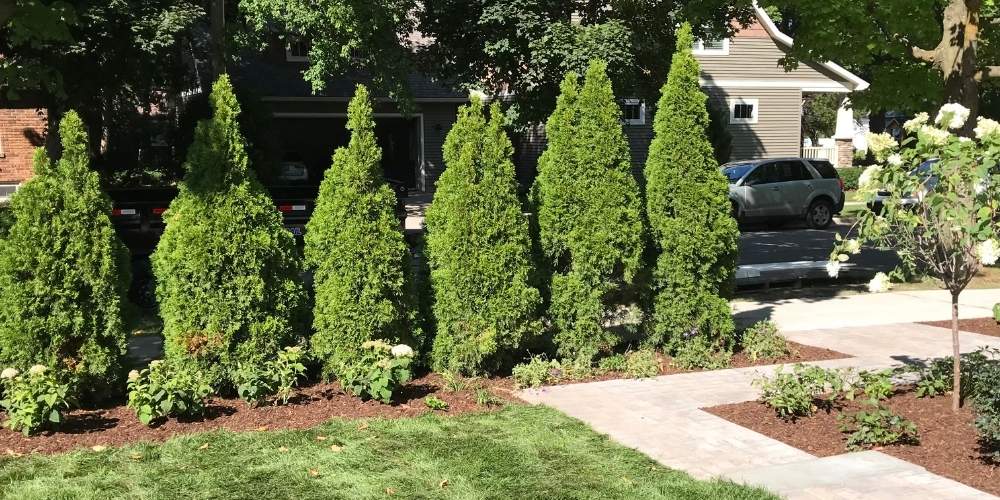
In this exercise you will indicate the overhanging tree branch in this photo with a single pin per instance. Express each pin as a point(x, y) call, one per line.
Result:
point(987, 73)
point(924, 55)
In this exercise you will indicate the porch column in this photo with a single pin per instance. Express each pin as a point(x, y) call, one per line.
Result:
point(844, 135)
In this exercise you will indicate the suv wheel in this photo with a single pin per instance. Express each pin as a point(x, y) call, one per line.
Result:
point(820, 214)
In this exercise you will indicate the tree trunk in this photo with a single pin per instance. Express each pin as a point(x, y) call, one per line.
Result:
point(956, 387)
point(217, 32)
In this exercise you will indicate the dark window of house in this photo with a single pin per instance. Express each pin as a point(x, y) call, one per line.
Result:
point(743, 111)
point(298, 49)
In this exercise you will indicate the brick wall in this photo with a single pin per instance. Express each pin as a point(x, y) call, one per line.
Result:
point(845, 153)
point(21, 131)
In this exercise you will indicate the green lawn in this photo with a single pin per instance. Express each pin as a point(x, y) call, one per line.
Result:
point(520, 452)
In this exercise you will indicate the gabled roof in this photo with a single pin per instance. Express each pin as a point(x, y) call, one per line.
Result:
point(787, 41)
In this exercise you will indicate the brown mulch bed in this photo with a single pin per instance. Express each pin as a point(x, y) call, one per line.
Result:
point(948, 441)
point(313, 405)
point(801, 353)
point(984, 326)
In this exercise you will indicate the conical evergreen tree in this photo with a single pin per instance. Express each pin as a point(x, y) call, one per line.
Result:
point(355, 245)
point(589, 214)
point(63, 271)
point(228, 273)
point(485, 306)
point(695, 238)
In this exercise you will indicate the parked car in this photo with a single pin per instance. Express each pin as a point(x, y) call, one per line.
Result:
point(781, 189)
point(927, 180)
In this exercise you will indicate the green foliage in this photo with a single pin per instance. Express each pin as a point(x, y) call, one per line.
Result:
point(378, 372)
point(64, 272)
point(6, 219)
point(613, 363)
point(486, 398)
point(819, 115)
point(453, 382)
point(537, 372)
point(698, 353)
point(35, 399)
point(718, 132)
point(277, 378)
point(589, 215)
point(695, 238)
point(798, 393)
point(227, 272)
point(876, 385)
point(354, 243)
point(764, 341)
point(996, 309)
point(172, 388)
point(878, 426)
point(435, 403)
point(642, 364)
point(479, 251)
point(850, 176)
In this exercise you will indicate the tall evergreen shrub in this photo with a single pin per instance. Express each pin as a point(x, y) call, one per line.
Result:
point(63, 271)
point(479, 246)
point(227, 272)
point(355, 245)
point(589, 214)
point(694, 237)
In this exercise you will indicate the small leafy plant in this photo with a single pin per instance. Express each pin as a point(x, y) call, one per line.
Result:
point(642, 364)
point(699, 353)
point(166, 389)
point(486, 398)
point(878, 426)
point(378, 372)
point(876, 385)
point(935, 379)
point(453, 382)
point(613, 363)
point(34, 399)
point(436, 403)
point(996, 312)
point(798, 393)
point(255, 383)
point(537, 372)
point(764, 341)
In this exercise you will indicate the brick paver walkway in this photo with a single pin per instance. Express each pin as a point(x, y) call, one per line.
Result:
point(662, 418)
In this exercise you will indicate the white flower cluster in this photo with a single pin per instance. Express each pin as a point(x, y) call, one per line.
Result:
point(895, 160)
point(952, 115)
point(402, 350)
point(987, 128)
point(988, 252)
point(918, 121)
point(37, 370)
point(852, 246)
point(880, 283)
point(9, 373)
point(933, 135)
point(881, 144)
point(133, 375)
point(866, 181)
point(833, 268)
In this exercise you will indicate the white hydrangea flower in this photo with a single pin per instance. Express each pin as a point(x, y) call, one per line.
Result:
point(155, 362)
point(895, 160)
point(982, 186)
point(952, 115)
point(852, 246)
point(833, 268)
point(988, 252)
point(964, 139)
point(843, 257)
point(880, 283)
point(866, 182)
point(987, 128)
point(402, 350)
point(918, 121)
point(37, 370)
point(933, 135)
point(133, 375)
point(9, 373)
point(881, 144)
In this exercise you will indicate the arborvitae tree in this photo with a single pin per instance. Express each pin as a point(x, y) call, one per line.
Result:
point(227, 272)
point(355, 245)
point(479, 247)
point(589, 214)
point(63, 271)
point(695, 238)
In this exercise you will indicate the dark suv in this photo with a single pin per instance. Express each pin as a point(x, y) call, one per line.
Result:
point(780, 189)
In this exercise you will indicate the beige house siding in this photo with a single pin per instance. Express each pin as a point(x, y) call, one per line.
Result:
point(778, 129)
point(755, 58)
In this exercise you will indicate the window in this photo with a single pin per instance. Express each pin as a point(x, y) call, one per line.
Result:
point(710, 46)
point(634, 112)
point(6, 191)
point(743, 110)
point(297, 51)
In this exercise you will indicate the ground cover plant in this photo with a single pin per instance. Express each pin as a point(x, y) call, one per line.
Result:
point(499, 454)
point(35, 399)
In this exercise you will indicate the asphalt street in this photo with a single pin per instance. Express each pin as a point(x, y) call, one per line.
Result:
point(796, 242)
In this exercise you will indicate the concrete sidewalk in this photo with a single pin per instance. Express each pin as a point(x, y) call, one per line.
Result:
point(662, 418)
point(865, 309)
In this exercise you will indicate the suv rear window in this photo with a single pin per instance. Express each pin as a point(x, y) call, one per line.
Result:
point(825, 168)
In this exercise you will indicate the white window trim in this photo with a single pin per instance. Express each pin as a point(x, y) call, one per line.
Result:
point(6, 198)
point(642, 112)
point(700, 50)
point(293, 58)
point(732, 111)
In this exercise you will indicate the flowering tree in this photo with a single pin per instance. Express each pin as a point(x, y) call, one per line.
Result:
point(943, 211)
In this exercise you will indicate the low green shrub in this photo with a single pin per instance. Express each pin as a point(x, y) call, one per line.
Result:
point(168, 389)
point(996, 309)
point(6, 219)
point(613, 363)
point(699, 353)
point(850, 176)
point(876, 427)
point(34, 399)
point(537, 372)
point(276, 378)
point(435, 403)
point(642, 364)
point(876, 385)
point(454, 382)
point(486, 398)
point(763, 341)
point(934, 379)
point(378, 372)
point(800, 392)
